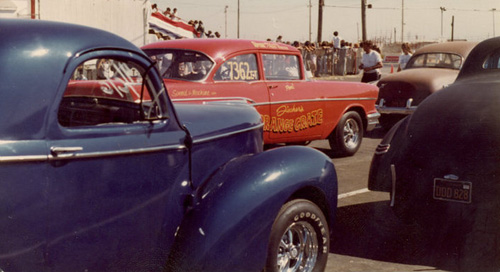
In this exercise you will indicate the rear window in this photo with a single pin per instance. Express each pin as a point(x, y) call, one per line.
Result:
point(435, 60)
point(181, 64)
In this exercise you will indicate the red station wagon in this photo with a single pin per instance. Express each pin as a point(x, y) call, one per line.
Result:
point(270, 76)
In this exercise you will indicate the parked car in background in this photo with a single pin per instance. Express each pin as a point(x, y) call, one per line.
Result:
point(441, 164)
point(269, 76)
point(430, 69)
point(100, 172)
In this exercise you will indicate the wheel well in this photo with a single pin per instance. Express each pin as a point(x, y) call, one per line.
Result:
point(316, 196)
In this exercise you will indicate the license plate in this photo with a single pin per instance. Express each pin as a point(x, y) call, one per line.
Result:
point(452, 190)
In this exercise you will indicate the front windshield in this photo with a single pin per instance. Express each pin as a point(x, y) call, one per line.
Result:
point(435, 60)
point(181, 64)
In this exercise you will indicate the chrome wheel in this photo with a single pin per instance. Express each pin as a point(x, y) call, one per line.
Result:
point(351, 133)
point(298, 248)
point(346, 138)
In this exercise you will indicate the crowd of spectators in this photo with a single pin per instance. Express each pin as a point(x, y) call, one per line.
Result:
point(197, 24)
point(335, 57)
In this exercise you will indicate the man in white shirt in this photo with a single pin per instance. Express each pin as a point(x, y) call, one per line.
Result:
point(336, 40)
point(371, 62)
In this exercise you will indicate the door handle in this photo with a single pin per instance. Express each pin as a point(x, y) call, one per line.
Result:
point(65, 152)
point(273, 86)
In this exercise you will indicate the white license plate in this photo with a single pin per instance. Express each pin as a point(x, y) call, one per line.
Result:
point(452, 190)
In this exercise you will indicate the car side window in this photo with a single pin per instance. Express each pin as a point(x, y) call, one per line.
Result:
point(109, 91)
point(239, 68)
point(281, 67)
point(493, 61)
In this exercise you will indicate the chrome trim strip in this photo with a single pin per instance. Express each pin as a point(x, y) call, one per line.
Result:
point(27, 158)
point(117, 153)
point(271, 103)
point(82, 155)
point(393, 177)
point(213, 98)
point(207, 139)
point(382, 149)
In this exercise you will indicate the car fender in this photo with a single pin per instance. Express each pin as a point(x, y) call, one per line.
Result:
point(381, 173)
point(229, 225)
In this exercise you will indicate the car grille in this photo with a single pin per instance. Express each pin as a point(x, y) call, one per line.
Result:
point(395, 94)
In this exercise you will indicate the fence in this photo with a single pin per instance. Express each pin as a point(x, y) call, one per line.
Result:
point(326, 61)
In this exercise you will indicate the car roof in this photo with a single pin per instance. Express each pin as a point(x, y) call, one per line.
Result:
point(458, 47)
point(222, 47)
point(34, 55)
point(473, 66)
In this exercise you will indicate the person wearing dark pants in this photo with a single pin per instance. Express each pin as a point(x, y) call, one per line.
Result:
point(371, 62)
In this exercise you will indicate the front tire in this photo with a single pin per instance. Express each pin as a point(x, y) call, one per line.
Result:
point(300, 239)
point(346, 139)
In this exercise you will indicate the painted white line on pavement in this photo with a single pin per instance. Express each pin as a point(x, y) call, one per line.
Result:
point(357, 192)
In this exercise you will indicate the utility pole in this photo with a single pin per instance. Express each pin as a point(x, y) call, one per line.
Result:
point(443, 9)
point(363, 17)
point(320, 19)
point(452, 26)
point(225, 26)
point(402, 21)
point(493, 11)
point(310, 31)
point(363, 20)
point(238, 19)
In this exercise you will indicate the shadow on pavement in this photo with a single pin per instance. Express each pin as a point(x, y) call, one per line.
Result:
point(377, 133)
point(372, 231)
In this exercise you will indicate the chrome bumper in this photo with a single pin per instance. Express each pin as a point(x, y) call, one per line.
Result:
point(372, 121)
point(408, 109)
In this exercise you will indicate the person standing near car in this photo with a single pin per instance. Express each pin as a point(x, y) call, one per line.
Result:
point(405, 56)
point(371, 62)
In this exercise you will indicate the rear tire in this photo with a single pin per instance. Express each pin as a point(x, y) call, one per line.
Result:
point(346, 139)
point(300, 239)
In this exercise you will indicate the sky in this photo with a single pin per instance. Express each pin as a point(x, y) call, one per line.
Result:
point(474, 20)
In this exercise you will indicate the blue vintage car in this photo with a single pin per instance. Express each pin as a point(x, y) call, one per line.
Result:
point(100, 172)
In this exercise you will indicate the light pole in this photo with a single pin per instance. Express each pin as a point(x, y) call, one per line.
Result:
point(443, 9)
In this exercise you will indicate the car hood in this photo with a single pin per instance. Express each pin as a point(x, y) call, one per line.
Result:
point(431, 79)
point(206, 121)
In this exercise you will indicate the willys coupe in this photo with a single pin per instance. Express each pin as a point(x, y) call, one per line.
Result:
point(100, 172)
point(441, 164)
point(269, 76)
